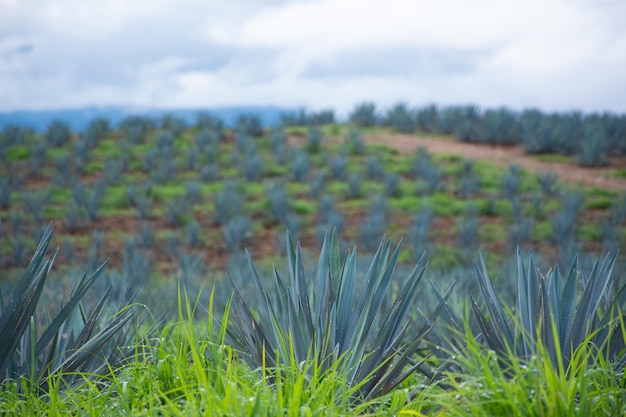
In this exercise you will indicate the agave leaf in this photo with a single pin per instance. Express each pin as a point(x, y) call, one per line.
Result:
point(297, 334)
point(488, 330)
point(396, 373)
point(89, 350)
point(568, 303)
point(452, 317)
point(301, 287)
point(334, 264)
point(345, 306)
point(32, 271)
point(381, 286)
point(358, 340)
point(549, 332)
point(529, 300)
point(554, 284)
point(276, 307)
point(599, 279)
point(501, 330)
point(16, 317)
point(607, 332)
point(447, 341)
point(363, 300)
point(60, 318)
point(325, 324)
point(265, 305)
point(270, 311)
point(247, 334)
point(392, 331)
point(133, 349)
point(526, 311)
point(321, 297)
point(91, 322)
point(402, 304)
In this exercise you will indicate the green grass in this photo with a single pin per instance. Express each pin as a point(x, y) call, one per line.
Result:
point(165, 192)
point(490, 176)
point(492, 232)
point(589, 232)
point(93, 167)
point(54, 153)
point(542, 231)
point(304, 207)
point(190, 372)
point(253, 189)
point(18, 153)
point(529, 388)
point(553, 158)
point(334, 130)
point(115, 197)
point(599, 198)
point(619, 173)
point(297, 130)
point(407, 203)
point(337, 188)
point(445, 258)
point(446, 204)
point(108, 148)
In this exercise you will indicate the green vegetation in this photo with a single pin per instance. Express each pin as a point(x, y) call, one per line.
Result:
point(386, 333)
point(617, 173)
point(18, 153)
point(563, 159)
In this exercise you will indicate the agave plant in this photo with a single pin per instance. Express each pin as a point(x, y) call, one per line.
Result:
point(551, 315)
point(335, 319)
point(364, 114)
point(34, 347)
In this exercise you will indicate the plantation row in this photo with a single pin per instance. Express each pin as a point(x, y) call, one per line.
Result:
point(592, 138)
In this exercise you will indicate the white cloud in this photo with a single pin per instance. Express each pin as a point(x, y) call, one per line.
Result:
point(555, 54)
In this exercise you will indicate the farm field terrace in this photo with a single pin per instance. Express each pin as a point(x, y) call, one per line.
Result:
point(208, 193)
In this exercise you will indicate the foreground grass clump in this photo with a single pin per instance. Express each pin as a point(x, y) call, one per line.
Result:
point(587, 386)
point(188, 369)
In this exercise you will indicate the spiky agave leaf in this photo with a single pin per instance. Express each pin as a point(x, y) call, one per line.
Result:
point(551, 313)
point(71, 341)
point(496, 328)
point(16, 316)
point(328, 321)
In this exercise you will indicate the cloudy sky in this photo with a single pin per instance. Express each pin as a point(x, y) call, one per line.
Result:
point(551, 54)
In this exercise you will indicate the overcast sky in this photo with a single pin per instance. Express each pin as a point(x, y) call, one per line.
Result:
point(551, 54)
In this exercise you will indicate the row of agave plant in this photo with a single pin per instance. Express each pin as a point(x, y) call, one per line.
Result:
point(370, 327)
point(236, 224)
point(590, 137)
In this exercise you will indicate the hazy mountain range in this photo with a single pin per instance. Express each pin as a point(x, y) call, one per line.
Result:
point(79, 118)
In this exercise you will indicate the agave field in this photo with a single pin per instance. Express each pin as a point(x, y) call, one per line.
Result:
point(167, 266)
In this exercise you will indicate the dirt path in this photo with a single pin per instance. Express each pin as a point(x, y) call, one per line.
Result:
point(502, 156)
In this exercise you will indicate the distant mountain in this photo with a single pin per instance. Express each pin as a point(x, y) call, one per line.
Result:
point(78, 119)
